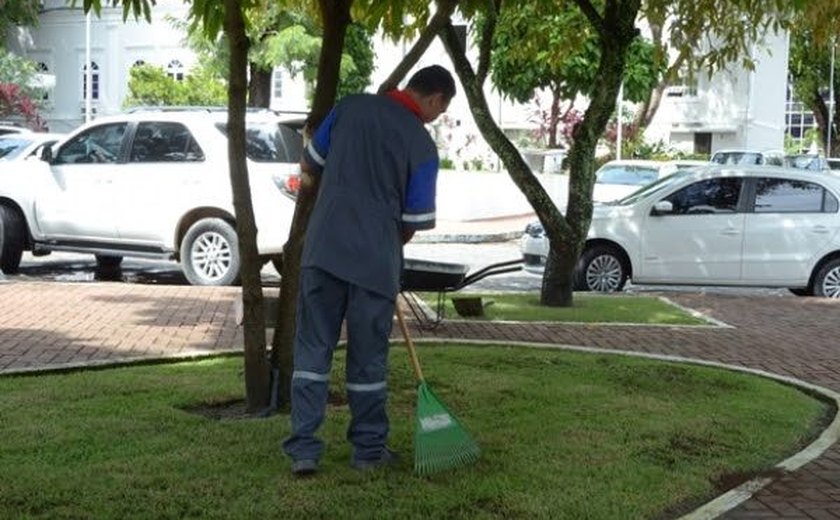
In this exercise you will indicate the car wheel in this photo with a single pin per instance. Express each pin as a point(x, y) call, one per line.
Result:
point(827, 281)
point(799, 291)
point(210, 253)
point(12, 239)
point(601, 269)
point(108, 261)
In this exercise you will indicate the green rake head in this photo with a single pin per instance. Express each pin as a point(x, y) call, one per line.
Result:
point(440, 440)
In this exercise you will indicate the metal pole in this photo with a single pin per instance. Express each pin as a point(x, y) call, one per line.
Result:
point(618, 121)
point(830, 103)
point(88, 71)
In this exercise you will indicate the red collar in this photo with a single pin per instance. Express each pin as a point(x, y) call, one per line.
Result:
point(402, 97)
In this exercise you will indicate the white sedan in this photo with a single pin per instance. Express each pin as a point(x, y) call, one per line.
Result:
point(718, 225)
point(619, 178)
point(25, 145)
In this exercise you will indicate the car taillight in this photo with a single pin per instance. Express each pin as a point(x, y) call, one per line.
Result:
point(289, 185)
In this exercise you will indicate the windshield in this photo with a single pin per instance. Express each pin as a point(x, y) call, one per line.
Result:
point(12, 147)
point(737, 158)
point(653, 188)
point(626, 175)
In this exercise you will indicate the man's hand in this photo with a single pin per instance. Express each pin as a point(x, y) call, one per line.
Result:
point(407, 234)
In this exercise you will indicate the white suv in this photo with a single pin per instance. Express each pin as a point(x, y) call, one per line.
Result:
point(151, 184)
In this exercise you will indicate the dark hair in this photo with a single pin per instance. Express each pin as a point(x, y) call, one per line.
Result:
point(432, 80)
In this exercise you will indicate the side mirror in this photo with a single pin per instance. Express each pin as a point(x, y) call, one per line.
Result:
point(663, 207)
point(46, 154)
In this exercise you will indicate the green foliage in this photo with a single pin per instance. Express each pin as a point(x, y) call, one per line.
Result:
point(560, 52)
point(18, 71)
point(355, 75)
point(17, 12)
point(150, 85)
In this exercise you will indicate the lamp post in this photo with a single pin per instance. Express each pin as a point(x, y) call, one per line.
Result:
point(618, 121)
point(88, 71)
point(830, 103)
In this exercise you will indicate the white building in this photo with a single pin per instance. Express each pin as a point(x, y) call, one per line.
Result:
point(733, 109)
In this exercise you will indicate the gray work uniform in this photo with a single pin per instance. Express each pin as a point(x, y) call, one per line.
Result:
point(378, 168)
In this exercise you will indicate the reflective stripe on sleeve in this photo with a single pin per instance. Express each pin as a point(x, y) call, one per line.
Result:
point(420, 217)
point(314, 154)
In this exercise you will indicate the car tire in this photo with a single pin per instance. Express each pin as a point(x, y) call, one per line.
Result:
point(12, 239)
point(799, 291)
point(108, 261)
point(827, 281)
point(601, 269)
point(210, 253)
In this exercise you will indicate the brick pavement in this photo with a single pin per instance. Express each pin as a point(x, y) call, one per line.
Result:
point(45, 325)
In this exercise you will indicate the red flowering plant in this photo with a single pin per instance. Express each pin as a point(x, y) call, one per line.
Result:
point(15, 103)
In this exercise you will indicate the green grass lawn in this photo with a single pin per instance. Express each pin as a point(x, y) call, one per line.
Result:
point(588, 308)
point(563, 434)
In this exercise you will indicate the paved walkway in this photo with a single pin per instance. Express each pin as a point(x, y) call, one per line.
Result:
point(45, 325)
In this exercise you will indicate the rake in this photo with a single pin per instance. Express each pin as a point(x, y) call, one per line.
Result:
point(440, 441)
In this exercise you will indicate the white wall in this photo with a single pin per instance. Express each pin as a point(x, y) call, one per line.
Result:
point(59, 42)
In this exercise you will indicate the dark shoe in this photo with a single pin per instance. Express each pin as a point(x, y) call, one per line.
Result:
point(388, 457)
point(304, 467)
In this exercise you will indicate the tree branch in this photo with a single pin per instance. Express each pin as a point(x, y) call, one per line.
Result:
point(594, 18)
point(486, 43)
point(441, 18)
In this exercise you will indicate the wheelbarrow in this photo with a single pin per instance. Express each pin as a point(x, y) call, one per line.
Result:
point(441, 278)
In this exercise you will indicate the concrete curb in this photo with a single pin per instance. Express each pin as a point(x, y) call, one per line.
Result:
point(467, 238)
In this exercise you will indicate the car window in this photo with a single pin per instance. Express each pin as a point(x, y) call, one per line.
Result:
point(11, 147)
point(100, 144)
point(792, 196)
point(628, 175)
point(270, 142)
point(652, 189)
point(744, 158)
point(718, 195)
point(164, 141)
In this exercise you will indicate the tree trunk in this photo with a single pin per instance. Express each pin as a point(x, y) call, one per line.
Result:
point(553, 221)
point(259, 87)
point(256, 364)
point(335, 15)
point(617, 34)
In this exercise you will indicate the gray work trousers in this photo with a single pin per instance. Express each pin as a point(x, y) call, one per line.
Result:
point(324, 302)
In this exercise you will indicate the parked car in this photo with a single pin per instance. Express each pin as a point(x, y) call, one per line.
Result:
point(749, 157)
point(811, 162)
point(8, 127)
point(151, 184)
point(26, 145)
point(619, 178)
point(738, 226)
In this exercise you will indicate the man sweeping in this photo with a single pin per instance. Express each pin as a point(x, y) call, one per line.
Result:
point(378, 169)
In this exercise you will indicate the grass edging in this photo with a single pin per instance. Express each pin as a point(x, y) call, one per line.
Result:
point(743, 492)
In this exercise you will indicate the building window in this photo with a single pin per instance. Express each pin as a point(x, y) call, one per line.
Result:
point(94, 81)
point(175, 70)
point(798, 120)
point(277, 85)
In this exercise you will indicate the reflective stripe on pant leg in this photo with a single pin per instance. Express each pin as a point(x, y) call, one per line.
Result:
point(369, 321)
point(320, 311)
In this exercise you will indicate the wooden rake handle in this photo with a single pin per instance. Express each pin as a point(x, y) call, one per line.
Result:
point(412, 352)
